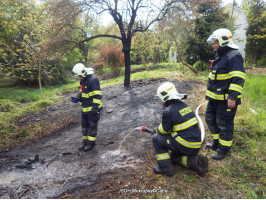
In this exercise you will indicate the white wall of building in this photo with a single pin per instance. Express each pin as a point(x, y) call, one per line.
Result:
point(241, 24)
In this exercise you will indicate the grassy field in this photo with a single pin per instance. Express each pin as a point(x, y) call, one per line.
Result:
point(249, 149)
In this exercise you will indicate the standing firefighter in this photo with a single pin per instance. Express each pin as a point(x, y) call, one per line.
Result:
point(224, 88)
point(179, 133)
point(90, 96)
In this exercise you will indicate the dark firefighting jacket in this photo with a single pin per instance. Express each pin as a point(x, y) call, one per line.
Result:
point(90, 94)
point(226, 77)
point(180, 121)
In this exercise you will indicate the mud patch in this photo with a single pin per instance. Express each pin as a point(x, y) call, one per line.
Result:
point(121, 149)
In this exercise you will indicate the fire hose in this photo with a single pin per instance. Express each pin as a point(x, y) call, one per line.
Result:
point(202, 129)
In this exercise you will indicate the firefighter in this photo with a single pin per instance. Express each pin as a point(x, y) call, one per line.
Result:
point(224, 89)
point(90, 96)
point(177, 140)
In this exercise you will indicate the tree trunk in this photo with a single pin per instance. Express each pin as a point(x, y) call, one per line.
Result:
point(39, 79)
point(127, 67)
point(255, 57)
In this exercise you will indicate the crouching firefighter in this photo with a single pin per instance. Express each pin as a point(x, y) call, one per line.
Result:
point(179, 133)
point(90, 96)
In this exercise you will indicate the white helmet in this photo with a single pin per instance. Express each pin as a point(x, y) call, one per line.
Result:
point(167, 91)
point(80, 70)
point(224, 36)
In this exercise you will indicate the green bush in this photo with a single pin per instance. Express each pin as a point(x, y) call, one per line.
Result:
point(6, 105)
point(261, 62)
point(43, 103)
point(201, 66)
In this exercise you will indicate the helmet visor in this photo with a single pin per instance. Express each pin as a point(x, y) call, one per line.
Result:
point(211, 39)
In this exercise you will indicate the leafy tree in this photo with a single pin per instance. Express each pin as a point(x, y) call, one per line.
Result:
point(144, 46)
point(130, 16)
point(22, 27)
point(178, 28)
point(256, 37)
point(67, 27)
point(210, 18)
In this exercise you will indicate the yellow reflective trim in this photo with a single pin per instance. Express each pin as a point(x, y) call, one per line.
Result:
point(185, 125)
point(84, 95)
point(84, 137)
point(170, 88)
point(160, 128)
point(210, 75)
point(237, 74)
point(186, 143)
point(223, 76)
point(88, 109)
point(215, 136)
point(236, 87)
point(90, 94)
point(226, 143)
point(90, 138)
point(219, 76)
point(97, 92)
point(97, 101)
point(163, 156)
point(216, 96)
point(184, 161)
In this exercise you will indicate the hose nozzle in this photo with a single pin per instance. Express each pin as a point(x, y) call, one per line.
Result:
point(144, 128)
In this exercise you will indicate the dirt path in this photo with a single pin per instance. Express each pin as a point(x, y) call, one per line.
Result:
point(60, 169)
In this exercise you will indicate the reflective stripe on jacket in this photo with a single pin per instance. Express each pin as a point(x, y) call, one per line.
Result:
point(227, 76)
point(180, 121)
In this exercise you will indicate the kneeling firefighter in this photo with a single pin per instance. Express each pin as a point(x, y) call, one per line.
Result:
point(179, 133)
point(90, 96)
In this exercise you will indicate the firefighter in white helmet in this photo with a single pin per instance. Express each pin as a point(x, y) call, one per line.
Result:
point(177, 140)
point(224, 89)
point(90, 96)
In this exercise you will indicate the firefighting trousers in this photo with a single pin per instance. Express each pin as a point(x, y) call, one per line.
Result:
point(89, 127)
point(163, 143)
point(220, 121)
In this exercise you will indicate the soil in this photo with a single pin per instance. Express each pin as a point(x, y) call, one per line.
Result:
point(122, 160)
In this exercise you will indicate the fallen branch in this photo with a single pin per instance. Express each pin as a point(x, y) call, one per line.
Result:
point(24, 191)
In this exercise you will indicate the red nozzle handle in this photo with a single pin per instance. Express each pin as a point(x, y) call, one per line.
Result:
point(144, 128)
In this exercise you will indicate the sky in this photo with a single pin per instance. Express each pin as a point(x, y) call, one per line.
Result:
point(231, 1)
point(107, 19)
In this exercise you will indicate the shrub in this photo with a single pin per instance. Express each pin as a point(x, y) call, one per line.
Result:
point(6, 105)
point(261, 62)
point(201, 66)
point(112, 57)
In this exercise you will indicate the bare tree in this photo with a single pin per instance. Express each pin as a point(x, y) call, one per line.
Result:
point(130, 16)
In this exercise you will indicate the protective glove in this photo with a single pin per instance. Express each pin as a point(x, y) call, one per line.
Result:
point(94, 111)
point(153, 131)
point(74, 100)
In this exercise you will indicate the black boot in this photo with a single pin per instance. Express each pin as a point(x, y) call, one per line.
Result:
point(84, 144)
point(165, 171)
point(199, 164)
point(89, 146)
point(218, 155)
point(213, 145)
